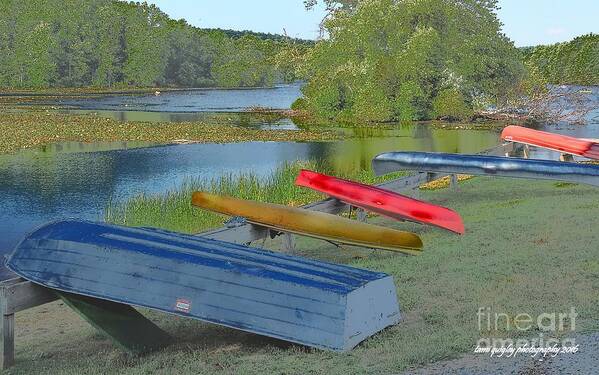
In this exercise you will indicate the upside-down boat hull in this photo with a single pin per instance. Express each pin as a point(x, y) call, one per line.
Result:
point(556, 142)
point(487, 166)
point(381, 201)
point(311, 223)
point(313, 303)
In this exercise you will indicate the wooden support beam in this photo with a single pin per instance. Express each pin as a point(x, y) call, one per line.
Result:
point(361, 215)
point(415, 192)
point(288, 243)
point(453, 182)
point(16, 295)
point(243, 234)
point(19, 294)
point(509, 148)
point(8, 340)
point(566, 157)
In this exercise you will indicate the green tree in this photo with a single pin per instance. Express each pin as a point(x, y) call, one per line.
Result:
point(30, 45)
point(74, 48)
point(77, 43)
point(109, 46)
point(7, 58)
point(389, 60)
point(40, 69)
point(243, 62)
point(189, 57)
point(145, 41)
point(450, 104)
point(575, 62)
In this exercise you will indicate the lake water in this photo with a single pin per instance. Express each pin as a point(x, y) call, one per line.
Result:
point(78, 180)
point(191, 101)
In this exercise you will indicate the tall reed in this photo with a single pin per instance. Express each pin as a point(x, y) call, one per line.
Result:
point(173, 210)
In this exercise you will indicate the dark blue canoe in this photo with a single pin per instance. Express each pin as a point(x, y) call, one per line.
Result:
point(305, 301)
point(486, 165)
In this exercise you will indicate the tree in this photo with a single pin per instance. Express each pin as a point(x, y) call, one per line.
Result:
point(243, 62)
point(39, 69)
point(388, 59)
point(7, 58)
point(145, 42)
point(109, 47)
point(189, 58)
point(78, 43)
point(575, 62)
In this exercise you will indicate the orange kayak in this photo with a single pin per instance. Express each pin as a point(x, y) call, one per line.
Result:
point(311, 223)
point(587, 148)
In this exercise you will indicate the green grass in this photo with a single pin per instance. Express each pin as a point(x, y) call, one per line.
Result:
point(173, 210)
point(530, 247)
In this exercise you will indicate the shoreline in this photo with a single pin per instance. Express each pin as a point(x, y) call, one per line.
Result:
point(95, 91)
point(38, 126)
point(439, 293)
point(479, 121)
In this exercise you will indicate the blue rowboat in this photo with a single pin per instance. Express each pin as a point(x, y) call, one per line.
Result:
point(486, 165)
point(304, 301)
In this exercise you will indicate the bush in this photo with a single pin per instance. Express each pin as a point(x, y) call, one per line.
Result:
point(450, 105)
point(299, 104)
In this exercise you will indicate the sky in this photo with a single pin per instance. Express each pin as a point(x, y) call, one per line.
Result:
point(532, 22)
point(526, 22)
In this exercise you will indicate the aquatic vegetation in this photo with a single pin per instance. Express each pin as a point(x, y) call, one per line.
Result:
point(35, 128)
point(173, 210)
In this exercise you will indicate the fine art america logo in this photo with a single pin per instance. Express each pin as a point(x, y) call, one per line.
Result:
point(550, 325)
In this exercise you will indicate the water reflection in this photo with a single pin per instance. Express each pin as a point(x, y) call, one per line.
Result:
point(245, 119)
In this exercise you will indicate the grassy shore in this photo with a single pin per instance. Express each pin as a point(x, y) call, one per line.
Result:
point(173, 210)
point(530, 248)
point(39, 127)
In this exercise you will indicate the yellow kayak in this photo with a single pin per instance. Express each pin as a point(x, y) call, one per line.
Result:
point(311, 223)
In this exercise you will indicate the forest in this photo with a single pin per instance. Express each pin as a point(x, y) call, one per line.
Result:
point(575, 62)
point(388, 60)
point(377, 60)
point(107, 43)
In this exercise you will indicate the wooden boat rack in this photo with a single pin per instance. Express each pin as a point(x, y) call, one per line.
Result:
point(18, 294)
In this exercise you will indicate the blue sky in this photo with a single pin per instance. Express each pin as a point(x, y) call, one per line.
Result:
point(531, 22)
point(526, 22)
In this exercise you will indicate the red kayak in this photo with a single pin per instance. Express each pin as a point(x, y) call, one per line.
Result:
point(383, 202)
point(562, 143)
